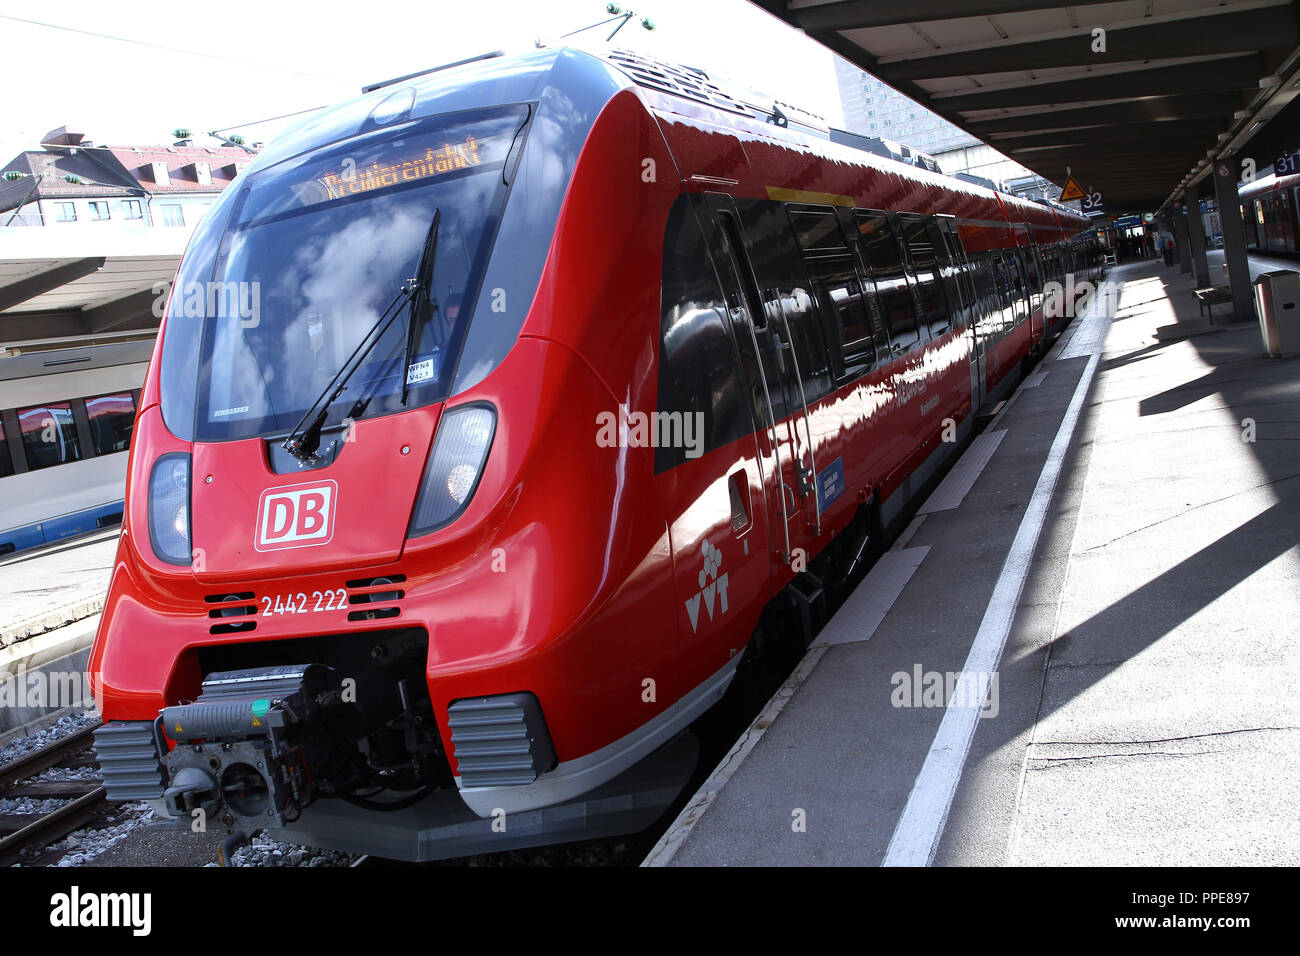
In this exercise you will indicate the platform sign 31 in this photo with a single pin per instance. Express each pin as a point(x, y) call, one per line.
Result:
point(1287, 165)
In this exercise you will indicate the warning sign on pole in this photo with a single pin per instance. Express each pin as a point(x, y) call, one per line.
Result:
point(1072, 190)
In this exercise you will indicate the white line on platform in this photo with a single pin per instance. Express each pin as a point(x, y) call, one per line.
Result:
point(957, 483)
point(916, 837)
point(860, 615)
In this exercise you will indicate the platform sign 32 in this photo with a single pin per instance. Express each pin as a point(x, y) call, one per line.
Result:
point(1092, 204)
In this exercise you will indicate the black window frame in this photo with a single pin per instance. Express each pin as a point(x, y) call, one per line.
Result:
point(869, 264)
point(7, 466)
point(130, 393)
point(847, 363)
point(937, 269)
point(78, 431)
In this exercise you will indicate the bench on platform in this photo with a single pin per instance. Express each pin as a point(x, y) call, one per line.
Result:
point(1209, 298)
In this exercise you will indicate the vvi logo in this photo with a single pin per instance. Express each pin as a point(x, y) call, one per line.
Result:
point(713, 587)
point(296, 516)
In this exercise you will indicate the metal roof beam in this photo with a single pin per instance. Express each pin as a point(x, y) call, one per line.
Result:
point(1242, 32)
point(1204, 129)
point(47, 280)
point(23, 326)
point(1238, 72)
point(857, 14)
point(120, 312)
point(1155, 108)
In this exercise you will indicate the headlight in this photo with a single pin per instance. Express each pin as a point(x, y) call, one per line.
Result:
point(455, 465)
point(169, 509)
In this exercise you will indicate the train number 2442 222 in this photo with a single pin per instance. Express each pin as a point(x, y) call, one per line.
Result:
point(334, 599)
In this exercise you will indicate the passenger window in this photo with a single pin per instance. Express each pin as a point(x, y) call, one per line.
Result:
point(778, 267)
point(111, 419)
point(881, 252)
point(49, 435)
point(925, 269)
point(837, 289)
point(1015, 286)
point(986, 289)
point(765, 379)
point(1031, 269)
point(699, 374)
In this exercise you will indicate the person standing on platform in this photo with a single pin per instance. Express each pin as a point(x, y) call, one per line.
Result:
point(1166, 240)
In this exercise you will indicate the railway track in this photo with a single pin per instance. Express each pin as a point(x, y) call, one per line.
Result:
point(24, 836)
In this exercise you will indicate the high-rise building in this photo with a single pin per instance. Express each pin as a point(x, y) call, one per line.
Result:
point(873, 109)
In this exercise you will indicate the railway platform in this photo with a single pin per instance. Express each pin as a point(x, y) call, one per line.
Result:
point(50, 600)
point(1083, 648)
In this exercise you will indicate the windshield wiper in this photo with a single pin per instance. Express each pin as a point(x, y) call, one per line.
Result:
point(304, 440)
point(423, 303)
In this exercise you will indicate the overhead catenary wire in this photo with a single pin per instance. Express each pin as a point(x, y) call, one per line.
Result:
point(159, 46)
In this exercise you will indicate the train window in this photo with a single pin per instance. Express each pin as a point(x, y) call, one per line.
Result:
point(881, 252)
point(774, 255)
point(837, 289)
point(986, 290)
point(700, 387)
point(6, 462)
point(320, 255)
point(111, 419)
point(925, 256)
point(1015, 284)
point(1004, 312)
point(49, 435)
point(763, 374)
point(1031, 269)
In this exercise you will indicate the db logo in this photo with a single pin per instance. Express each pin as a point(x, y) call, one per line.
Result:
point(298, 516)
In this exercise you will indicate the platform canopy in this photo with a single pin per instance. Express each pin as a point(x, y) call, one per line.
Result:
point(63, 286)
point(1176, 84)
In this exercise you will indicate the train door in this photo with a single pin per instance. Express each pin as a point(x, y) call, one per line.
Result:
point(712, 488)
point(767, 348)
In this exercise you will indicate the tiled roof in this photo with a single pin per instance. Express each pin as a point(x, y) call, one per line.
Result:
point(137, 160)
point(110, 171)
point(98, 179)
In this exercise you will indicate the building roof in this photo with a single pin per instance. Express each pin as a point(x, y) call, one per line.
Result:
point(114, 171)
point(98, 179)
point(137, 161)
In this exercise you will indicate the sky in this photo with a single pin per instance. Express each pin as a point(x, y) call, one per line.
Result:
point(223, 66)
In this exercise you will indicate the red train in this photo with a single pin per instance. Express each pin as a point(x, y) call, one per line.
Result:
point(1270, 208)
point(558, 373)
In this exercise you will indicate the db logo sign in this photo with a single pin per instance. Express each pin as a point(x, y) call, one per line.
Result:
point(297, 516)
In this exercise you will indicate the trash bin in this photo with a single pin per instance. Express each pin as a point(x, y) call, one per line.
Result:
point(1277, 296)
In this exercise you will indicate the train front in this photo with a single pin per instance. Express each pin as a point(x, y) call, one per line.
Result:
point(309, 531)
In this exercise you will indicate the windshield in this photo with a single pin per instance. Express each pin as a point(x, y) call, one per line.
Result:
point(318, 247)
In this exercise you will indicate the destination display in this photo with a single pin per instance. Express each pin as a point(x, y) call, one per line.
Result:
point(434, 162)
